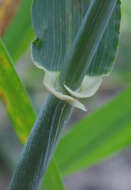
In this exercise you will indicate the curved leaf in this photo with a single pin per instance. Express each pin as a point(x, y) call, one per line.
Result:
point(56, 24)
point(56, 28)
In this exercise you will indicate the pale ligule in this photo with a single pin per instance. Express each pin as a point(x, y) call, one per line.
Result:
point(49, 82)
point(88, 88)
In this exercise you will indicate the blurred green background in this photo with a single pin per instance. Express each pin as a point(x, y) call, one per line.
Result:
point(112, 174)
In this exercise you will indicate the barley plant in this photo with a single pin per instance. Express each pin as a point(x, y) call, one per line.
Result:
point(74, 43)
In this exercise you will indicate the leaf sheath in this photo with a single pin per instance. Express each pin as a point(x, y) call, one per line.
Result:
point(40, 145)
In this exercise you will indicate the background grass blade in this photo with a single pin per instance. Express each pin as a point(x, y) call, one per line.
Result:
point(14, 97)
point(18, 106)
point(7, 11)
point(50, 179)
point(97, 136)
point(19, 34)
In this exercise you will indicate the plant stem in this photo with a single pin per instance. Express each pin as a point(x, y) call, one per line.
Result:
point(42, 141)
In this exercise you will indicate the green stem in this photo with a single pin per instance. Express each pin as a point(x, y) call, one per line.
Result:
point(41, 144)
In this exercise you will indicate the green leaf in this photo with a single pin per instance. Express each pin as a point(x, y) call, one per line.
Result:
point(20, 110)
point(56, 24)
point(57, 27)
point(7, 11)
point(104, 59)
point(88, 41)
point(52, 179)
point(96, 137)
point(87, 48)
point(14, 97)
point(19, 34)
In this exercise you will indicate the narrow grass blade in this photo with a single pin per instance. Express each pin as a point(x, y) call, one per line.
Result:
point(19, 34)
point(20, 109)
point(14, 97)
point(96, 137)
point(52, 181)
point(7, 11)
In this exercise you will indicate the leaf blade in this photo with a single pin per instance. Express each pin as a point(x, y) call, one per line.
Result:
point(10, 95)
point(50, 179)
point(55, 26)
point(104, 59)
point(97, 136)
point(7, 11)
point(57, 33)
point(13, 95)
point(19, 31)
